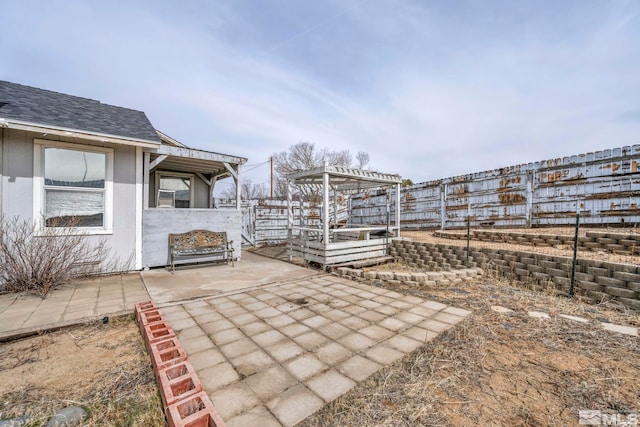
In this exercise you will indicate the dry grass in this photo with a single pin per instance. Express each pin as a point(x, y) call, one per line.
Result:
point(496, 369)
point(103, 368)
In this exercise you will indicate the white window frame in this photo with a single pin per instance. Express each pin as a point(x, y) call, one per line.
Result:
point(192, 183)
point(39, 145)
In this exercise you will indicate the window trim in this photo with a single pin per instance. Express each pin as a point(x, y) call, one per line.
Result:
point(192, 192)
point(39, 196)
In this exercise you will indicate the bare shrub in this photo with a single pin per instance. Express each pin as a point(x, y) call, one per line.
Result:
point(37, 261)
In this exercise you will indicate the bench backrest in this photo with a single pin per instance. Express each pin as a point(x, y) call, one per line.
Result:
point(198, 239)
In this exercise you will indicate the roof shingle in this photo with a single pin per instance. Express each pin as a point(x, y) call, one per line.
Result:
point(59, 110)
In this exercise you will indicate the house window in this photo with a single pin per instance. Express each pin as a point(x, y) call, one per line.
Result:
point(176, 188)
point(75, 185)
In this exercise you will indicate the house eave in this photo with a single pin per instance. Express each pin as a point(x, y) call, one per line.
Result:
point(191, 153)
point(76, 133)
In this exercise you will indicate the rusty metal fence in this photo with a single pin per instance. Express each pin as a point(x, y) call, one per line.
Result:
point(604, 186)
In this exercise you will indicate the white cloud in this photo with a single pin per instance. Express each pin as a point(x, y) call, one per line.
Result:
point(429, 90)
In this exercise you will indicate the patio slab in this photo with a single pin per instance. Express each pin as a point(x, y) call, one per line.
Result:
point(283, 350)
point(195, 282)
point(79, 302)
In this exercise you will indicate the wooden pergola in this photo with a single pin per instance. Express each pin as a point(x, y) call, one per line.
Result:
point(333, 243)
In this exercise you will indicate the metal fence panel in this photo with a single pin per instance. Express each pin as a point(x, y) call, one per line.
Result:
point(604, 185)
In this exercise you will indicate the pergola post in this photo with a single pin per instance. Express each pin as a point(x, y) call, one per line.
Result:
point(398, 209)
point(238, 180)
point(290, 223)
point(235, 173)
point(325, 210)
point(212, 199)
point(335, 207)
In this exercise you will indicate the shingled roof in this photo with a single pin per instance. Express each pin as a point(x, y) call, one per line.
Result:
point(35, 106)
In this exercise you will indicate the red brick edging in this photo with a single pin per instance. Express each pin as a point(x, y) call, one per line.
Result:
point(185, 403)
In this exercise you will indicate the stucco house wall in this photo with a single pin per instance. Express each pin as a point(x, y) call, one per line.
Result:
point(158, 223)
point(17, 186)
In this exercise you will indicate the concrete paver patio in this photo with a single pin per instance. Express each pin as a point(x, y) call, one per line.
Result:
point(275, 354)
point(271, 342)
point(188, 282)
point(87, 299)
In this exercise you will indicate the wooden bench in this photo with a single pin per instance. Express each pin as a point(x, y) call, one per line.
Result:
point(197, 243)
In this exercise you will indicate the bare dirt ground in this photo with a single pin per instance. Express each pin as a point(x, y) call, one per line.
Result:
point(501, 369)
point(103, 368)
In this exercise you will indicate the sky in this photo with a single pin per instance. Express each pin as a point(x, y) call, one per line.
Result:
point(430, 89)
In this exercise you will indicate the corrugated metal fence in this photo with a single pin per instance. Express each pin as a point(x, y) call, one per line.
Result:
point(604, 185)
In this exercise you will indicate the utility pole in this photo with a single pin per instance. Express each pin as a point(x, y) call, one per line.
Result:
point(271, 178)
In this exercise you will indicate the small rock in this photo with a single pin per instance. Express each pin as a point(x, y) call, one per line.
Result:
point(538, 315)
point(500, 309)
point(16, 422)
point(575, 318)
point(68, 417)
point(627, 330)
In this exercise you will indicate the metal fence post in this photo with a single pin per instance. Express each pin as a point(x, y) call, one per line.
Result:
point(575, 252)
point(468, 238)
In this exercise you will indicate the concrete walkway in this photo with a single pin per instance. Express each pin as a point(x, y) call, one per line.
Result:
point(23, 314)
point(85, 300)
point(275, 354)
point(199, 281)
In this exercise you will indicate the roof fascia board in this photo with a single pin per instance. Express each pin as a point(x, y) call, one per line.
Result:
point(198, 154)
point(75, 133)
point(167, 139)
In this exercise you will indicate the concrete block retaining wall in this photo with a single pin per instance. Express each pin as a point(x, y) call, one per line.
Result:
point(410, 278)
point(596, 241)
point(597, 280)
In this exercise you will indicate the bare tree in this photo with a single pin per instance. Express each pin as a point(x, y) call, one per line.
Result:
point(363, 159)
point(249, 191)
point(305, 155)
